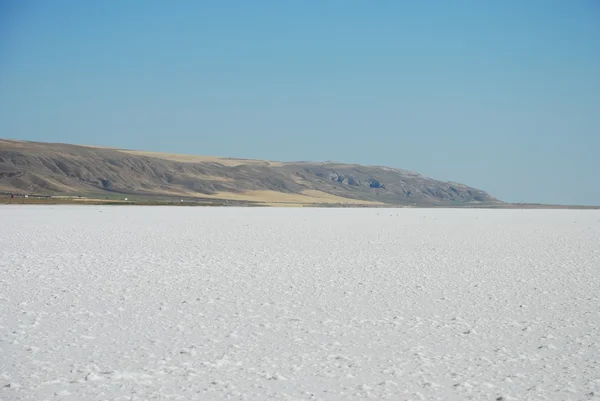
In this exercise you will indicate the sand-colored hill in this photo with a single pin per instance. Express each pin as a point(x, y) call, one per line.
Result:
point(62, 169)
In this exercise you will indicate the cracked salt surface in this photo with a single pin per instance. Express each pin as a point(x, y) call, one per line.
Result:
point(137, 303)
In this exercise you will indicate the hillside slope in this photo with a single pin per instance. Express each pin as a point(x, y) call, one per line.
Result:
point(45, 168)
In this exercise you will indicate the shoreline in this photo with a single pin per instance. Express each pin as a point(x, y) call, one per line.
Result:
point(229, 203)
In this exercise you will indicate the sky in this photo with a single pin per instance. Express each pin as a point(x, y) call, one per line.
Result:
point(502, 95)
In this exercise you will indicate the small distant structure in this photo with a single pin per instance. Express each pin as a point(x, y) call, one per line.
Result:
point(125, 198)
point(32, 196)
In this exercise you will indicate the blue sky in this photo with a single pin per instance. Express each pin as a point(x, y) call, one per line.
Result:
point(500, 95)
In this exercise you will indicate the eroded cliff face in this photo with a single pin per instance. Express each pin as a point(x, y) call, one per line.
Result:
point(70, 169)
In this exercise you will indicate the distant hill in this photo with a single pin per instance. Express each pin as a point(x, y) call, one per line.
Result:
point(62, 169)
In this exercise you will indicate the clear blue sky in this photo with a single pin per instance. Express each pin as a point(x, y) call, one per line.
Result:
point(502, 95)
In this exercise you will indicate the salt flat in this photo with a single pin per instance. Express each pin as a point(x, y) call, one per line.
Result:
point(136, 303)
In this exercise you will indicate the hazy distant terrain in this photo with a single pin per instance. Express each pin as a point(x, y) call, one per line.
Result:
point(137, 303)
point(61, 169)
